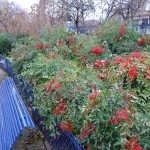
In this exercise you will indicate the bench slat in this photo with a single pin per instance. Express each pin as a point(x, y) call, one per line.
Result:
point(16, 126)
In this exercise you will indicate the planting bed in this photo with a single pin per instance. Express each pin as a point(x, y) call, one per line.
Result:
point(96, 87)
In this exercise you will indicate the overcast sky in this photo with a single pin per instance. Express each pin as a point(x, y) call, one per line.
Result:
point(25, 4)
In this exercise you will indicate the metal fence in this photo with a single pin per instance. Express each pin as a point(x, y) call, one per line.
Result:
point(64, 141)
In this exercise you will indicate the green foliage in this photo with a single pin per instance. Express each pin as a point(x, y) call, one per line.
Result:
point(19, 36)
point(22, 38)
point(109, 33)
point(6, 41)
point(89, 97)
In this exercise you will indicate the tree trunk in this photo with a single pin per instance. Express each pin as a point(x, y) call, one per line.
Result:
point(77, 22)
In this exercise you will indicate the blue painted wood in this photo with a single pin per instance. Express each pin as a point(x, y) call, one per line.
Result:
point(14, 116)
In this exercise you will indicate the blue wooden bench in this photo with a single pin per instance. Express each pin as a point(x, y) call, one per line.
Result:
point(14, 116)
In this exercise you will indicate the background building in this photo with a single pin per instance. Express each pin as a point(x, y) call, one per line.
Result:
point(141, 23)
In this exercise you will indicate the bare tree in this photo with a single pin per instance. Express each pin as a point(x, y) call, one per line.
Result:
point(127, 9)
point(77, 10)
point(51, 11)
point(15, 20)
point(57, 12)
point(4, 14)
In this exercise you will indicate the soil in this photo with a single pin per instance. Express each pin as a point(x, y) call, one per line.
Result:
point(30, 140)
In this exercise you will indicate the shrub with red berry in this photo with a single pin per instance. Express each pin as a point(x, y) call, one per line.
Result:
point(99, 97)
